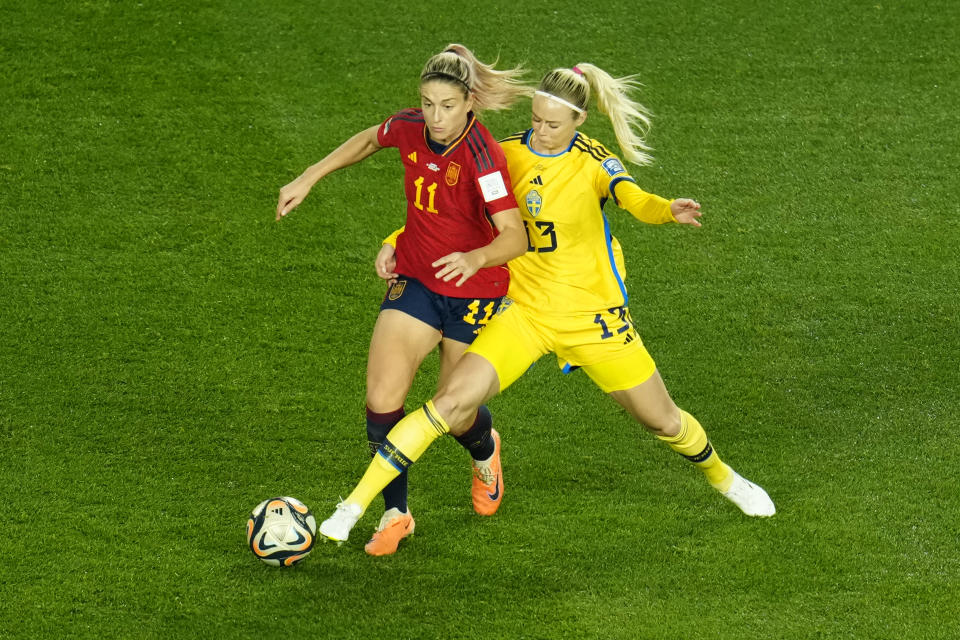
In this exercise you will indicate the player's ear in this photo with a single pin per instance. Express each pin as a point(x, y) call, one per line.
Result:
point(581, 118)
point(471, 100)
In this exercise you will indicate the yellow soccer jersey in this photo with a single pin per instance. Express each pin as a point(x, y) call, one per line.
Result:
point(571, 263)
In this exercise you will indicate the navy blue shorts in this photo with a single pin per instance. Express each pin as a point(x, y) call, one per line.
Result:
point(459, 319)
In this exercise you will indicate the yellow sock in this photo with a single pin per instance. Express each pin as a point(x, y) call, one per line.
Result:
point(405, 443)
point(692, 444)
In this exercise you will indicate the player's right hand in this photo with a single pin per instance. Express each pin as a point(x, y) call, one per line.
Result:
point(385, 264)
point(292, 195)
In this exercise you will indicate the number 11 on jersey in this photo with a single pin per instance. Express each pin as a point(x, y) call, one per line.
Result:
point(431, 193)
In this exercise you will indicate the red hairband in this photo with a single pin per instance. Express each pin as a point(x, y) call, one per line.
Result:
point(577, 70)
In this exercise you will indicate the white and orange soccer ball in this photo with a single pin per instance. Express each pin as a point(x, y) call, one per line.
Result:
point(281, 531)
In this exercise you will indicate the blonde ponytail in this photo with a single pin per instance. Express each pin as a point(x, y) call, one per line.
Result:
point(492, 89)
point(630, 119)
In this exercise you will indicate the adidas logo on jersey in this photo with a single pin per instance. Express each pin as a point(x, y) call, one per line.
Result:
point(537, 180)
point(629, 339)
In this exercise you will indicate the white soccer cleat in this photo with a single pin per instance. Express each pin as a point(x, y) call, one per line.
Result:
point(337, 527)
point(751, 499)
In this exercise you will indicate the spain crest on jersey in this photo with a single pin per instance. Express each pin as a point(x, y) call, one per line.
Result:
point(453, 174)
point(396, 290)
point(534, 202)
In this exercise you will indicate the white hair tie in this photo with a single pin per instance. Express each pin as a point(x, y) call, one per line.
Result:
point(560, 100)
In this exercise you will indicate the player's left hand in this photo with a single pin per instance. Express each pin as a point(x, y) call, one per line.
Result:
point(686, 211)
point(457, 264)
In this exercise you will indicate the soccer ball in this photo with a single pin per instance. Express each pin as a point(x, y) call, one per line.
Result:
point(281, 531)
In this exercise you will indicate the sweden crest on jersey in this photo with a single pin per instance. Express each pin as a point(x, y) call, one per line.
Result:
point(534, 203)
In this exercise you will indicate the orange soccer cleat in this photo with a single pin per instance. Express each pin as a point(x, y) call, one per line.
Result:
point(487, 489)
point(394, 527)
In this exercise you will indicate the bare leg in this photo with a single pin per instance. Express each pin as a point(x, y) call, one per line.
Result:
point(651, 405)
point(399, 344)
point(472, 382)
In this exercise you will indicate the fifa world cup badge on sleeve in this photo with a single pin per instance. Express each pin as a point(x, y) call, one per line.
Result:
point(613, 166)
point(492, 186)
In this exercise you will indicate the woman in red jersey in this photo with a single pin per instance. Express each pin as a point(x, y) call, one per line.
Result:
point(450, 261)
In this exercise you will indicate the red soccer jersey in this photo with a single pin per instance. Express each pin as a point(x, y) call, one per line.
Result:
point(451, 198)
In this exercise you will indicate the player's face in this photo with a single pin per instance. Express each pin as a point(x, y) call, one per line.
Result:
point(554, 125)
point(445, 109)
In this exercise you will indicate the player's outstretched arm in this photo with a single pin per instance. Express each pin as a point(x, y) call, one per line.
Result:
point(510, 243)
point(686, 211)
point(360, 146)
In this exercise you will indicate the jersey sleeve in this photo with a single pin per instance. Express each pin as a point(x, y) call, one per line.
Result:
point(494, 184)
point(613, 180)
point(646, 207)
point(392, 238)
point(388, 135)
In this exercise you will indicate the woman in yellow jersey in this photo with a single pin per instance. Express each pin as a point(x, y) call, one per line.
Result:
point(566, 293)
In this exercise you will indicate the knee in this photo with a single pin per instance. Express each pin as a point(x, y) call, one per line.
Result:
point(471, 383)
point(457, 413)
point(384, 397)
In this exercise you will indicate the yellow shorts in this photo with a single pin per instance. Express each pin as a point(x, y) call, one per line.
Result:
point(605, 345)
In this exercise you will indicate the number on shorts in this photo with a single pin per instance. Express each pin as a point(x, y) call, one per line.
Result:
point(622, 316)
point(488, 309)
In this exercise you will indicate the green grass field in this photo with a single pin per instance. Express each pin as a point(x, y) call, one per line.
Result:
point(170, 355)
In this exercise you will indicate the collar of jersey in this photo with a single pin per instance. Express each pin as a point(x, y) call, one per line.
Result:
point(450, 148)
point(529, 134)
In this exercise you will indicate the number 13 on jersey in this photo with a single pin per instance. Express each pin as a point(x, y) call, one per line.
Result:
point(541, 229)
